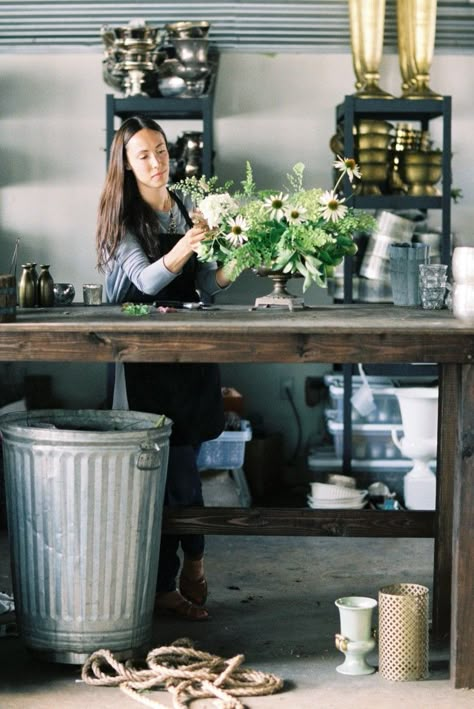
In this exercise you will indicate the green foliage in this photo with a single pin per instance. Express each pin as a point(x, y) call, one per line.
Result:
point(136, 308)
point(289, 231)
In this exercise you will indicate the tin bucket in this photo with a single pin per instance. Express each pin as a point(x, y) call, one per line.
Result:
point(7, 298)
point(84, 494)
point(405, 259)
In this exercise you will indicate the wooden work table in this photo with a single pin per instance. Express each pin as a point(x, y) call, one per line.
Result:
point(330, 334)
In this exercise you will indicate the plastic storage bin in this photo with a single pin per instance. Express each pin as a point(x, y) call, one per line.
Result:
point(226, 451)
point(387, 411)
point(369, 440)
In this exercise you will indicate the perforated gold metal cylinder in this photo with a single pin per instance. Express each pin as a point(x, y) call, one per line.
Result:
point(403, 632)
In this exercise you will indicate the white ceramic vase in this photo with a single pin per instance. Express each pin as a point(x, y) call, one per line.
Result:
point(355, 639)
point(419, 411)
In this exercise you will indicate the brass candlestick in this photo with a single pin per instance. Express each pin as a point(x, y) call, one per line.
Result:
point(367, 27)
point(416, 23)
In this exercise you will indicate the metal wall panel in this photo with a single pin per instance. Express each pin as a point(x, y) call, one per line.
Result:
point(276, 26)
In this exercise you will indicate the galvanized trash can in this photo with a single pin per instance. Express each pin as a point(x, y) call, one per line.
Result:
point(84, 493)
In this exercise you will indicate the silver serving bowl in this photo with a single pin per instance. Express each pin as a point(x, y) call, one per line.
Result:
point(63, 293)
point(171, 86)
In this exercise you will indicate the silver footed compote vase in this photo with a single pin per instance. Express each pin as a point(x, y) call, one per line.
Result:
point(279, 296)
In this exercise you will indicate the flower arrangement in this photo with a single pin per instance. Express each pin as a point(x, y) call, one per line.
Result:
point(300, 232)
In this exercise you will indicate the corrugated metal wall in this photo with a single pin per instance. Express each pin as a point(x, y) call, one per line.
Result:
point(272, 26)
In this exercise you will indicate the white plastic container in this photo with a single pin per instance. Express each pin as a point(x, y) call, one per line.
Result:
point(227, 451)
point(387, 409)
point(369, 440)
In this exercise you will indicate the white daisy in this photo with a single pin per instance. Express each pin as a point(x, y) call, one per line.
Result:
point(276, 206)
point(333, 207)
point(295, 215)
point(238, 231)
point(348, 166)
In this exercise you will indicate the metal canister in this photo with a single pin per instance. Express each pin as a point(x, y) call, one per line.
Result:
point(34, 273)
point(45, 291)
point(26, 287)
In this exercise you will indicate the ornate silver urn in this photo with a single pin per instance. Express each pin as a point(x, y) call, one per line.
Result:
point(132, 55)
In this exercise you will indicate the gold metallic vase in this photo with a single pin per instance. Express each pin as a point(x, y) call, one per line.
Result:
point(416, 26)
point(367, 27)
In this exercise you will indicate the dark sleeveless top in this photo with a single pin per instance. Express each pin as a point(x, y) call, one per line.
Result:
point(189, 394)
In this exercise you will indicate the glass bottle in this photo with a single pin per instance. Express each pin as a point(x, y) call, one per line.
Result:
point(26, 287)
point(45, 287)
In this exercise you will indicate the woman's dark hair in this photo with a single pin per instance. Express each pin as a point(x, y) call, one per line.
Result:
point(121, 207)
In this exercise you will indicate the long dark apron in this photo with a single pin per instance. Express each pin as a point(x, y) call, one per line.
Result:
point(190, 395)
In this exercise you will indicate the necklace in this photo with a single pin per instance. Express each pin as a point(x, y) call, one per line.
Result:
point(172, 226)
point(167, 215)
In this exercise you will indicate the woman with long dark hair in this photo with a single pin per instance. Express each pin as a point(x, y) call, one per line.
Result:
point(147, 237)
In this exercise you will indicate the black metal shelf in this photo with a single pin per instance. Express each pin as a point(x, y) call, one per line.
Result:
point(169, 108)
point(396, 202)
point(422, 110)
point(393, 109)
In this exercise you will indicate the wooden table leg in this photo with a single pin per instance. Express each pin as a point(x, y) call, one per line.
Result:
point(449, 391)
point(462, 612)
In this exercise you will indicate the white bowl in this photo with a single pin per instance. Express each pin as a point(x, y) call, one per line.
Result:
point(325, 491)
point(354, 504)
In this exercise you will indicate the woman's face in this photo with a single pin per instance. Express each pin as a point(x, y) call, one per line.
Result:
point(148, 158)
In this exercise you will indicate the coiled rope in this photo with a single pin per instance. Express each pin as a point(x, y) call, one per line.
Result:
point(186, 673)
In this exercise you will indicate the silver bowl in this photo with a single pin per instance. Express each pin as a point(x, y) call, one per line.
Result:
point(63, 293)
point(171, 85)
point(187, 30)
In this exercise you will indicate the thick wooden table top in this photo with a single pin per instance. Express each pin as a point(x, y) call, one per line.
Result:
point(333, 333)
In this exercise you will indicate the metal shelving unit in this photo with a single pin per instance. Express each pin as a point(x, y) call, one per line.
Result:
point(423, 111)
point(170, 108)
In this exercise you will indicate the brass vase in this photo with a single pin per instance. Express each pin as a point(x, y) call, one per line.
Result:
point(367, 27)
point(279, 297)
point(416, 25)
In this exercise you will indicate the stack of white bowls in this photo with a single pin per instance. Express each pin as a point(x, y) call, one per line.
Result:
point(463, 287)
point(329, 496)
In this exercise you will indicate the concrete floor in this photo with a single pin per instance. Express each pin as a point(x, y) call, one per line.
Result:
point(271, 599)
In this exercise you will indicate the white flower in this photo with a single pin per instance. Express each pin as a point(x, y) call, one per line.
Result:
point(295, 215)
point(333, 207)
point(348, 166)
point(215, 207)
point(276, 205)
point(238, 228)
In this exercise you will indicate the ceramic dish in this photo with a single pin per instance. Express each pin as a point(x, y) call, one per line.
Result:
point(327, 491)
point(335, 504)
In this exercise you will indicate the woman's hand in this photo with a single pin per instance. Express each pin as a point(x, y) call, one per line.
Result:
point(175, 259)
point(198, 232)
